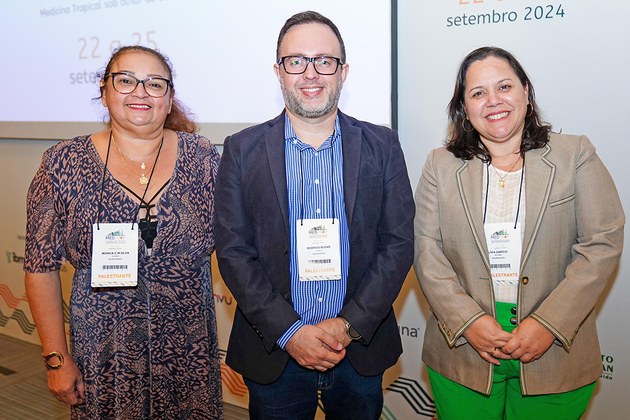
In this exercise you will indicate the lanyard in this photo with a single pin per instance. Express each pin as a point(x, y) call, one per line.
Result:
point(332, 185)
point(100, 200)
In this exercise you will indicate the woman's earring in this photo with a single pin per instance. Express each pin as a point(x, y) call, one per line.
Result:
point(531, 110)
point(464, 126)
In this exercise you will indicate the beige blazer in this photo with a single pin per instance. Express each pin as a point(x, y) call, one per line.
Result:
point(572, 242)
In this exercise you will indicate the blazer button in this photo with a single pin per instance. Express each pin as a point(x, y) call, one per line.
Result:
point(513, 310)
point(513, 320)
point(525, 280)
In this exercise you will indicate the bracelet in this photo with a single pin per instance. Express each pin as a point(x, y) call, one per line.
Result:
point(49, 356)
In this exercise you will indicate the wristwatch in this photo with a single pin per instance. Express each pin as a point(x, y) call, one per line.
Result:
point(51, 355)
point(352, 333)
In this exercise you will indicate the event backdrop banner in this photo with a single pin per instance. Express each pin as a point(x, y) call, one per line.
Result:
point(576, 56)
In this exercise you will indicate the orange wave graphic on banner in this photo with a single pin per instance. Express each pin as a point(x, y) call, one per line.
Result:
point(8, 296)
point(232, 381)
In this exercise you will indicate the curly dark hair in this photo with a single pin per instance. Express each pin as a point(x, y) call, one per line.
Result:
point(467, 144)
point(180, 117)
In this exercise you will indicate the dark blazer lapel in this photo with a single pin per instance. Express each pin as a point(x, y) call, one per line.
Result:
point(469, 183)
point(351, 146)
point(539, 174)
point(274, 143)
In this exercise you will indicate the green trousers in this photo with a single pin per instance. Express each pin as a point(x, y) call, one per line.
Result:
point(456, 402)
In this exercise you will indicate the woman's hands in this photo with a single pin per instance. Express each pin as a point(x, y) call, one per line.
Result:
point(527, 342)
point(44, 298)
point(530, 341)
point(487, 337)
point(66, 383)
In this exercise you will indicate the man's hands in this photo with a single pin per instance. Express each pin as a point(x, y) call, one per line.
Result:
point(320, 346)
point(337, 328)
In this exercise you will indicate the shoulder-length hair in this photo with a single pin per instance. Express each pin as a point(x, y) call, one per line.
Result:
point(463, 141)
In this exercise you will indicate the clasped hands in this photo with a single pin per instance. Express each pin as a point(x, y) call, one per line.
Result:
point(321, 346)
point(527, 342)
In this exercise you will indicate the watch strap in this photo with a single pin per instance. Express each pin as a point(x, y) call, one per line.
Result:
point(350, 330)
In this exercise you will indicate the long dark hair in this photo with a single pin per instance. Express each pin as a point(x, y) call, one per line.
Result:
point(464, 142)
point(180, 117)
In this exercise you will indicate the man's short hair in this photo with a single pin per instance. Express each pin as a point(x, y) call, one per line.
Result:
point(303, 18)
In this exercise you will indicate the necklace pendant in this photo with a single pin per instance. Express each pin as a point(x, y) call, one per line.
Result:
point(143, 166)
point(144, 180)
point(501, 183)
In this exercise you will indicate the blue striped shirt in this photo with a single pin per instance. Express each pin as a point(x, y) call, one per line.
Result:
point(323, 196)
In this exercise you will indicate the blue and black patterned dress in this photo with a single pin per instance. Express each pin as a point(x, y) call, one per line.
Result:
point(146, 352)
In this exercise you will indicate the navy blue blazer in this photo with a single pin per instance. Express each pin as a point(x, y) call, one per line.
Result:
point(252, 243)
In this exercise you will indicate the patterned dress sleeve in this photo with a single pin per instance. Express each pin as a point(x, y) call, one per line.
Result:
point(44, 226)
point(211, 163)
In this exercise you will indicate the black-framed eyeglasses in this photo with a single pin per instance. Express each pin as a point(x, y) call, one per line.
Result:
point(126, 83)
point(324, 65)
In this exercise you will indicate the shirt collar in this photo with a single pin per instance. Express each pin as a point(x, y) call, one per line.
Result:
point(291, 137)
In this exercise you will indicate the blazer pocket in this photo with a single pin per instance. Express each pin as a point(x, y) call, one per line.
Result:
point(563, 204)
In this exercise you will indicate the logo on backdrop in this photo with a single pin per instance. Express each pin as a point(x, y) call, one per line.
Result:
point(607, 366)
point(407, 331)
point(12, 257)
point(415, 395)
point(224, 299)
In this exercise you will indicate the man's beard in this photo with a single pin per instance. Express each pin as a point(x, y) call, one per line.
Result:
point(297, 106)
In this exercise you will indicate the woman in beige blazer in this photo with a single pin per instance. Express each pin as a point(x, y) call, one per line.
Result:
point(518, 230)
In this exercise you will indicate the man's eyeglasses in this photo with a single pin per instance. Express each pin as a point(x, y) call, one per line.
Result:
point(126, 83)
point(323, 65)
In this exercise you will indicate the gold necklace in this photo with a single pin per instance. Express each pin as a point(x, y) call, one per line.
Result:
point(502, 178)
point(142, 178)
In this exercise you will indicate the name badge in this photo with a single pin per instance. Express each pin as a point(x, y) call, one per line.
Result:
point(319, 249)
point(114, 255)
point(504, 249)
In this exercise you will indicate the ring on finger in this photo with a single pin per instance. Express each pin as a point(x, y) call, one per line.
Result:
point(494, 350)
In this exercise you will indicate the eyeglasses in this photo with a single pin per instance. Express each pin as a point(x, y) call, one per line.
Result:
point(126, 83)
point(323, 65)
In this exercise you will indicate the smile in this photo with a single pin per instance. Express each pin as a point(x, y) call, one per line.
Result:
point(497, 116)
point(138, 106)
point(311, 90)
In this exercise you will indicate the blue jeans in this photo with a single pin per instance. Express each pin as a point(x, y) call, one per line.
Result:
point(345, 394)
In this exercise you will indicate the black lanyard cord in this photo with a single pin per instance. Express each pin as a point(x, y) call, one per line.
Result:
point(100, 198)
point(148, 183)
point(100, 201)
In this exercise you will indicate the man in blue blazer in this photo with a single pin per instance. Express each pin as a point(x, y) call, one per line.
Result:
point(314, 236)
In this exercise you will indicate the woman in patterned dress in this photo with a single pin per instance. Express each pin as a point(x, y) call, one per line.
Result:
point(139, 351)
